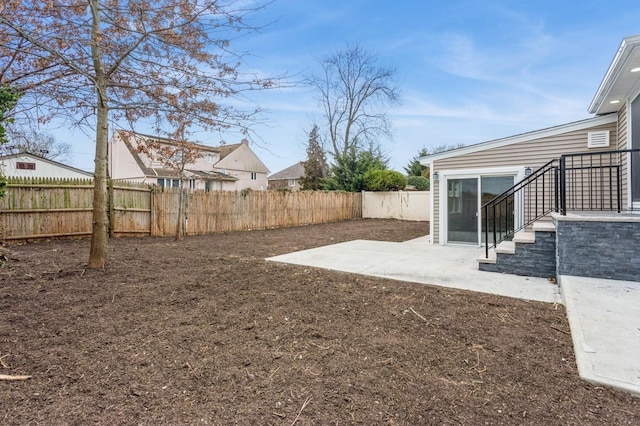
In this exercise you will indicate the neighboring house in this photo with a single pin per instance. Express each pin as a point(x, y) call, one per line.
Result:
point(222, 168)
point(34, 166)
point(288, 178)
point(560, 171)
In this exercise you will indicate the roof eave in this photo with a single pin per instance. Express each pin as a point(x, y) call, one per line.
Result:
point(613, 73)
point(522, 137)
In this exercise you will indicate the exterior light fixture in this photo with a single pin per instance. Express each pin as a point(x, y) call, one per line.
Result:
point(615, 101)
point(636, 69)
point(528, 171)
point(436, 176)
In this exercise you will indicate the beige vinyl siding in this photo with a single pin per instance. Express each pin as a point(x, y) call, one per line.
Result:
point(533, 153)
point(623, 144)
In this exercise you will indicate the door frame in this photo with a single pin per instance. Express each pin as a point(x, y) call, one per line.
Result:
point(518, 172)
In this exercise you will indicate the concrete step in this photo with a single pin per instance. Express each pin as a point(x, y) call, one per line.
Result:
point(544, 226)
point(490, 259)
point(524, 237)
point(506, 247)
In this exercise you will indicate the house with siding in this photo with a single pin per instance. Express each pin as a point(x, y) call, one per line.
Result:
point(583, 176)
point(25, 165)
point(131, 157)
point(288, 178)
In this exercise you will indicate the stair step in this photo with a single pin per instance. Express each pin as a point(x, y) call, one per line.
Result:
point(524, 237)
point(506, 247)
point(490, 259)
point(545, 226)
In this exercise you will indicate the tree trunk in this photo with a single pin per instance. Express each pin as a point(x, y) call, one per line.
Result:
point(100, 222)
point(100, 229)
point(181, 211)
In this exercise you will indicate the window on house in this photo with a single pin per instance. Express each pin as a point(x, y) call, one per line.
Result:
point(25, 166)
point(292, 182)
point(254, 176)
point(168, 183)
point(210, 158)
point(192, 184)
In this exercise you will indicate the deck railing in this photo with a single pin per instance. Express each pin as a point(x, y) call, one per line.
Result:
point(588, 181)
point(537, 194)
point(592, 181)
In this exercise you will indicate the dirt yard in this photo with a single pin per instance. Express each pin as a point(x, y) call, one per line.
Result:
point(205, 331)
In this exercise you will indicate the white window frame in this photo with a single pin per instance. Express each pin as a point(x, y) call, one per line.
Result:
point(292, 182)
point(254, 175)
point(629, 145)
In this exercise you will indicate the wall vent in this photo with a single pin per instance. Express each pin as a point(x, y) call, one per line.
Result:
point(25, 166)
point(598, 139)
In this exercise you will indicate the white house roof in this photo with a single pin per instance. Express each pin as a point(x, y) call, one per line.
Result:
point(523, 137)
point(622, 77)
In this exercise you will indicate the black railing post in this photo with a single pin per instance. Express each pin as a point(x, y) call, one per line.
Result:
point(563, 186)
point(619, 189)
point(485, 211)
point(494, 226)
point(556, 184)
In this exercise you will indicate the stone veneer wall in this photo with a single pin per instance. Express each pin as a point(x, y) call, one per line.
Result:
point(606, 248)
point(532, 260)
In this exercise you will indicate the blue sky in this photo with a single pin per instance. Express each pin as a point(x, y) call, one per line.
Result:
point(468, 71)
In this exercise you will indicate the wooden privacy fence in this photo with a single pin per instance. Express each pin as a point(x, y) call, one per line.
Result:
point(221, 211)
point(46, 208)
point(49, 208)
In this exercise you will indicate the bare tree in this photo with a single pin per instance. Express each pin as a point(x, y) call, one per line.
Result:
point(42, 144)
point(97, 62)
point(175, 157)
point(354, 92)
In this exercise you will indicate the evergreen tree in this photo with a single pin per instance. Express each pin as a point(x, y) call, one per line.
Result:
point(8, 100)
point(315, 168)
point(414, 168)
point(347, 173)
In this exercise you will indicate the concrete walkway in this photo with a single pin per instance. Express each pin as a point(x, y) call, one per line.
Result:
point(604, 315)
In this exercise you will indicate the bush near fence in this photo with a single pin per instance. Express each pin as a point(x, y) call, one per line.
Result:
point(50, 208)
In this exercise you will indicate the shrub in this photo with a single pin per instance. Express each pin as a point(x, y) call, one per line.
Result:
point(384, 180)
point(420, 183)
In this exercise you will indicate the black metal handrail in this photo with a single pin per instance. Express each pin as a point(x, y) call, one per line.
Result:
point(584, 181)
point(537, 193)
point(593, 180)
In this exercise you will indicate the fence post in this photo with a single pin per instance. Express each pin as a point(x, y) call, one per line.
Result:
point(152, 211)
